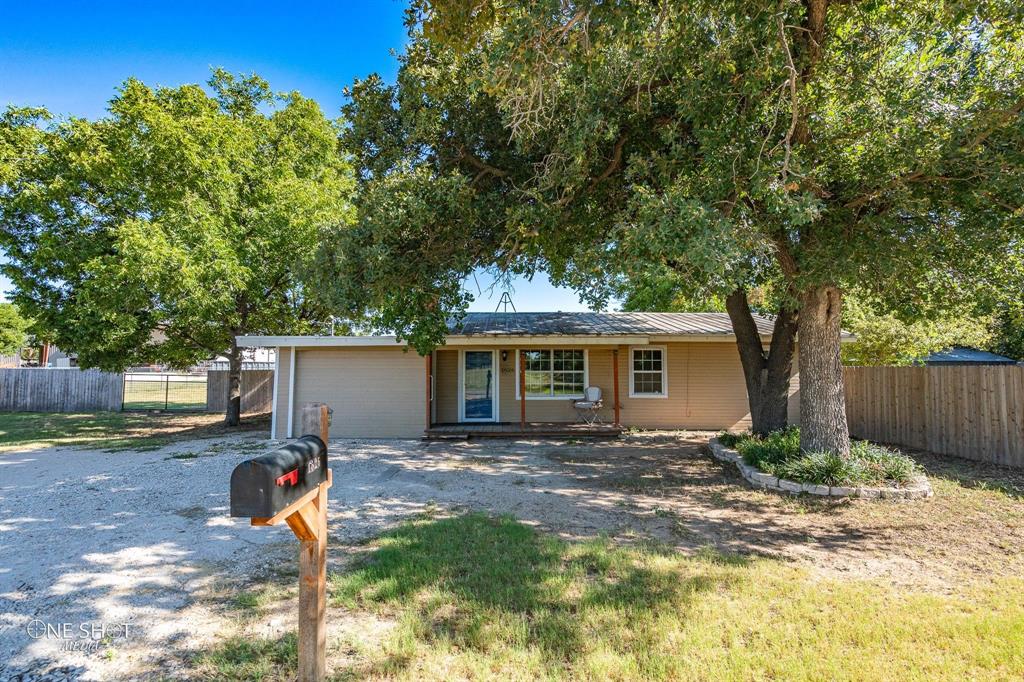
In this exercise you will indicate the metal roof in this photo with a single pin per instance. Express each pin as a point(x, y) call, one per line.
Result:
point(962, 355)
point(590, 324)
point(601, 328)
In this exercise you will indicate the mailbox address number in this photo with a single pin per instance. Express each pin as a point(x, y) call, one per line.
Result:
point(292, 477)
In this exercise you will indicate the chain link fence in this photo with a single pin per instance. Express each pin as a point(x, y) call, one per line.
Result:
point(170, 392)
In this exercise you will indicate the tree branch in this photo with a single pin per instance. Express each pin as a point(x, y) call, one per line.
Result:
point(1015, 110)
point(794, 106)
point(641, 87)
point(785, 256)
point(481, 166)
point(919, 176)
point(615, 162)
point(578, 17)
point(747, 337)
point(188, 337)
point(915, 176)
point(815, 34)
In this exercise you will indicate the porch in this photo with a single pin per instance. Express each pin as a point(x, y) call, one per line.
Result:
point(527, 430)
point(495, 392)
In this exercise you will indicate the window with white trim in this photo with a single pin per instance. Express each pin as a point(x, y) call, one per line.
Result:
point(554, 373)
point(648, 375)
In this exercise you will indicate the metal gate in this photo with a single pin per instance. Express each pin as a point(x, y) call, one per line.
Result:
point(159, 391)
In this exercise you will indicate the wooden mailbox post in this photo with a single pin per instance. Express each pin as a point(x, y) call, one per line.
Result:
point(290, 484)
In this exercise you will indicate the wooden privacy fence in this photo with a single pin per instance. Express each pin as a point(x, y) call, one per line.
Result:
point(59, 390)
point(257, 390)
point(976, 412)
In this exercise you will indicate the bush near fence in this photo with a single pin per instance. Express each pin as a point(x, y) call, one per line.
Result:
point(975, 412)
point(71, 389)
point(257, 391)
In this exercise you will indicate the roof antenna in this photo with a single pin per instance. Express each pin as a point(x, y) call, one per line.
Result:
point(504, 302)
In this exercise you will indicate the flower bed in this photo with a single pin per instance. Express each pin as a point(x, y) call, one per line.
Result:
point(777, 463)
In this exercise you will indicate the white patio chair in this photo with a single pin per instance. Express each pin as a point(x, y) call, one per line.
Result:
point(588, 410)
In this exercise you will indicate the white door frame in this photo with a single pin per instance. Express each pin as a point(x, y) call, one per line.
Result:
point(494, 388)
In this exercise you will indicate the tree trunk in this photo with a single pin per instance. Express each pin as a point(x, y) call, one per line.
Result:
point(234, 412)
point(767, 375)
point(823, 425)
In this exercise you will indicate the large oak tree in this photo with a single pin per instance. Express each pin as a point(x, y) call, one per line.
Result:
point(817, 145)
point(182, 219)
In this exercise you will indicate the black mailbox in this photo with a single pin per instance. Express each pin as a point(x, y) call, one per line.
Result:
point(263, 486)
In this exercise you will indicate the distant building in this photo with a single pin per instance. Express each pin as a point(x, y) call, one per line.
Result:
point(58, 358)
point(252, 358)
point(963, 355)
point(45, 355)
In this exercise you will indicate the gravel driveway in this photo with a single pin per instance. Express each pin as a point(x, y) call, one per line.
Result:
point(140, 543)
point(136, 542)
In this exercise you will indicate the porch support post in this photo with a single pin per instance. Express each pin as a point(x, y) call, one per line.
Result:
point(430, 370)
point(522, 390)
point(293, 351)
point(615, 381)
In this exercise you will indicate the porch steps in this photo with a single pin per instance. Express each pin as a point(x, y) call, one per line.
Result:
point(516, 430)
point(427, 435)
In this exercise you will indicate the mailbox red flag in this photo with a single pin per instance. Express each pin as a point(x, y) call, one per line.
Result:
point(291, 478)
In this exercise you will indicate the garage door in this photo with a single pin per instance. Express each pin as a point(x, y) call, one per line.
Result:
point(374, 392)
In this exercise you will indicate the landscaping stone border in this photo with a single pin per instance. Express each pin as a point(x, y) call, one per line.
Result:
point(918, 489)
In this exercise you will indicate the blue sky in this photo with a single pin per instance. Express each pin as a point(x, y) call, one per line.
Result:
point(70, 56)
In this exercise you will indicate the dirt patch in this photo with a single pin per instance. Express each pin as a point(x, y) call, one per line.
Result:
point(664, 487)
point(96, 536)
point(151, 431)
point(971, 530)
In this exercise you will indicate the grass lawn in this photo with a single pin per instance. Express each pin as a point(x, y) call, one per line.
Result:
point(109, 430)
point(479, 597)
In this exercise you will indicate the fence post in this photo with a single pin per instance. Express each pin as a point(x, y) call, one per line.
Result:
point(315, 419)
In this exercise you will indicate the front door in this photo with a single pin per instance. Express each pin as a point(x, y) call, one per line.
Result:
point(479, 386)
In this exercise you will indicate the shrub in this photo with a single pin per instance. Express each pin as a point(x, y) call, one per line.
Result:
point(882, 463)
point(772, 450)
point(730, 440)
point(823, 468)
point(779, 454)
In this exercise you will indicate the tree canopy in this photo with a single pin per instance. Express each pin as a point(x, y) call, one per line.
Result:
point(13, 329)
point(183, 218)
point(1009, 337)
point(884, 339)
point(820, 145)
point(881, 337)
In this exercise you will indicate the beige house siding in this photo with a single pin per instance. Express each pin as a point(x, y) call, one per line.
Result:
point(379, 392)
point(280, 421)
point(706, 389)
point(374, 392)
point(446, 377)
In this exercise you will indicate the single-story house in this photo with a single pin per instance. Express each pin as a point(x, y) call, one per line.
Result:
point(655, 370)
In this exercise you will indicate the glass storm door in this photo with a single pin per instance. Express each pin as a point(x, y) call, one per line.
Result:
point(478, 386)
